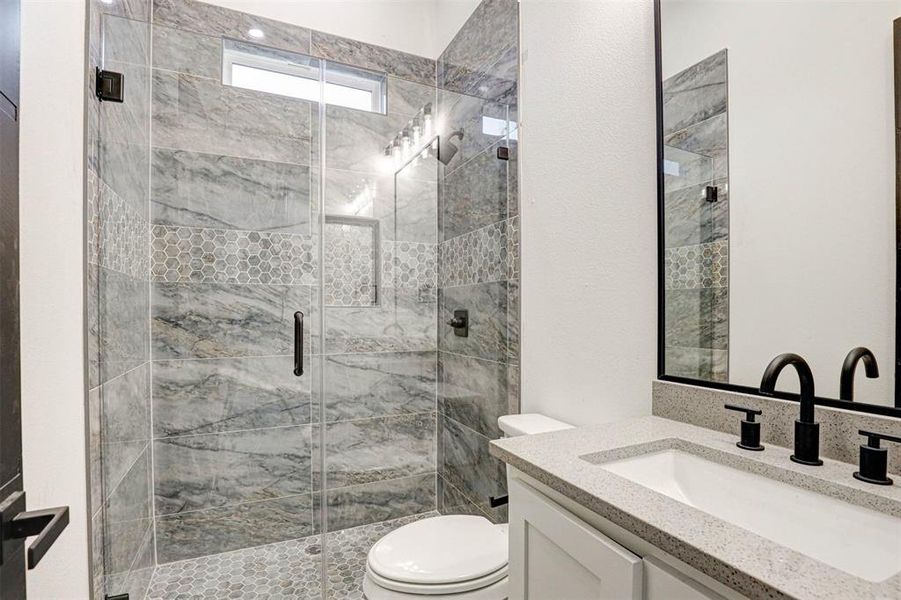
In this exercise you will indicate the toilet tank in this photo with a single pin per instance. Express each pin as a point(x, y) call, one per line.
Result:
point(527, 424)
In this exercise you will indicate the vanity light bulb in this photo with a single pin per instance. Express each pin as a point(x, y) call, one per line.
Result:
point(427, 125)
point(256, 34)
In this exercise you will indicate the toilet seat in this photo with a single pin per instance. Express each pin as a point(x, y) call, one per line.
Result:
point(448, 555)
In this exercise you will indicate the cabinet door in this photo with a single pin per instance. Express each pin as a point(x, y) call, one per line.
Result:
point(555, 555)
point(662, 582)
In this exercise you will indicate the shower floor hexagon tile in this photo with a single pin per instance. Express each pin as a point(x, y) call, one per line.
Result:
point(283, 571)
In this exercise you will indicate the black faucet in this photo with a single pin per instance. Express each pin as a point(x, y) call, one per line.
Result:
point(807, 430)
point(846, 389)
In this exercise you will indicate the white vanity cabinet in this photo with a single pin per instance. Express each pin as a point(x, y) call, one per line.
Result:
point(555, 555)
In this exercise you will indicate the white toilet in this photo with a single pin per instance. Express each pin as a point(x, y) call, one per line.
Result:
point(455, 557)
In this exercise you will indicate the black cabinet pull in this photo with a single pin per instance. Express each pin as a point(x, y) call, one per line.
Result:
point(298, 343)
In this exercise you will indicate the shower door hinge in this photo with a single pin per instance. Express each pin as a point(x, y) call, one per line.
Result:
point(712, 193)
point(110, 86)
point(503, 153)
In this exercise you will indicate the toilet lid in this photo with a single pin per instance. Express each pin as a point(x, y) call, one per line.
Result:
point(437, 550)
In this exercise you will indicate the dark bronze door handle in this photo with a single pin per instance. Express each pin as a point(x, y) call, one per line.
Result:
point(47, 525)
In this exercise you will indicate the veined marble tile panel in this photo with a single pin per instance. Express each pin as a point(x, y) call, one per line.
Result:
point(474, 195)
point(204, 532)
point(380, 448)
point(125, 421)
point(473, 392)
point(204, 18)
point(193, 113)
point(98, 570)
point(697, 318)
point(698, 266)
point(124, 40)
point(513, 321)
point(408, 98)
point(356, 140)
point(186, 52)
point(485, 37)
point(498, 82)
point(708, 138)
point(205, 471)
point(95, 456)
point(380, 500)
point(464, 462)
point(123, 337)
point(690, 219)
point(452, 501)
point(487, 306)
point(194, 255)
point(123, 153)
point(695, 94)
point(223, 192)
point(709, 364)
point(208, 320)
point(228, 394)
point(136, 580)
point(138, 10)
point(414, 209)
point(478, 256)
point(128, 518)
point(360, 386)
point(377, 58)
point(404, 321)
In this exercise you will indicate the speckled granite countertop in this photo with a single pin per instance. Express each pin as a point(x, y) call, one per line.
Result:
point(567, 461)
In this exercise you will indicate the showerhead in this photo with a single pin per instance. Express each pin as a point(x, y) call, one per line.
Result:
point(447, 150)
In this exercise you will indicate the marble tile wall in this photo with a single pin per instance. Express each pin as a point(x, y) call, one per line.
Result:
point(118, 328)
point(478, 255)
point(696, 231)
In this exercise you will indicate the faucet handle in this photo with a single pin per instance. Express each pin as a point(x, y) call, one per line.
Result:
point(750, 429)
point(873, 459)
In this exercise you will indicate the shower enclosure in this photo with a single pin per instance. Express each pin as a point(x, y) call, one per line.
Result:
point(260, 175)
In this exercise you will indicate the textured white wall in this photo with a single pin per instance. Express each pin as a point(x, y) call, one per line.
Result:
point(589, 246)
point(51, 200)
point(811, 186)
point(422, 27)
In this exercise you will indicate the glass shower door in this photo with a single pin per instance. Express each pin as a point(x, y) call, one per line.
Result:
point(204, 234)
point(379, 326)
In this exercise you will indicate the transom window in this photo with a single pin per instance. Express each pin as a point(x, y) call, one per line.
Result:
point(299, 76)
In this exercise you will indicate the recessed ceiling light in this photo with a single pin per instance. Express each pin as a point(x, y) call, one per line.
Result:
point(255, 33)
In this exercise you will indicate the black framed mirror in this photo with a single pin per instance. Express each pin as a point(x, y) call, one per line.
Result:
point(778, 195)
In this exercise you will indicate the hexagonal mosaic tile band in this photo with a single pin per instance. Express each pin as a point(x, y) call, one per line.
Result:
point(351, 266)
point(199, 255)
point(700, 266)
point(117, 233)
point(349, 276)
point(487, 254)
point(283, 571)
point(409, 265)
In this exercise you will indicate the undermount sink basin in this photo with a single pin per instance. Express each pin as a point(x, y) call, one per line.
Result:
point(857, 540)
